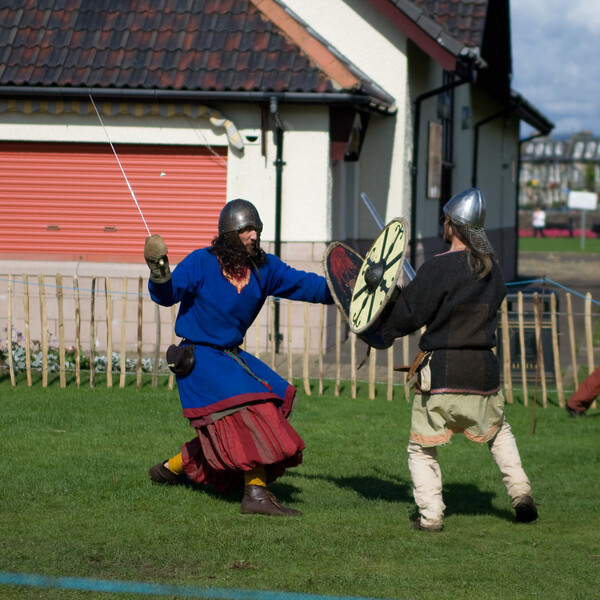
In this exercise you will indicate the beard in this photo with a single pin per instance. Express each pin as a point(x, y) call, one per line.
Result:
point(252, 248)
point(234, 256)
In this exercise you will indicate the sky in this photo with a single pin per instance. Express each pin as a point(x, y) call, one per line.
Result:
point(556, 61)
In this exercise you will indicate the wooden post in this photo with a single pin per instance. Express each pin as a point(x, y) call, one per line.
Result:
point(406, 360)
point(589, 337)
point(372, 371)
point(338, 352)
point(353, 363)
point(522, 346)
point(140, 323)
point(9, 331)
point(572, 339)
point(77, 332)
point(123, 340)
point(390, 373)
point(109, 331)
point(306, 351)
point(321, 333)
point(156, 347)
point(508, 391)
point(27, 330)
point(93, 335)
point(589, 333)
point(557, 372)
point(541, 368)
point(44, 334)
point(61, 331)
point(290, 358)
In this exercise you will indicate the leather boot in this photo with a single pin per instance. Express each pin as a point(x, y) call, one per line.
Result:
point(258, 500)
point(160, 474)
point(526, 510)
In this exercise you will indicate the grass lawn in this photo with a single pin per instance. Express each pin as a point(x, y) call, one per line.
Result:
point(559, 244)
point(75, 501)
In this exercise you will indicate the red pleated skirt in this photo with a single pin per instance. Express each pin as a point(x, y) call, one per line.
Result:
point(258, 434)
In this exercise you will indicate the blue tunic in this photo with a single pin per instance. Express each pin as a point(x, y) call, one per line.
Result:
point(213, 313)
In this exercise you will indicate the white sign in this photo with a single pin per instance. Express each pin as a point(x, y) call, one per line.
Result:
point(583, 200)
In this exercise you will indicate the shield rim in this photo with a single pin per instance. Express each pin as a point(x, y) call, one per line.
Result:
point(375, 316)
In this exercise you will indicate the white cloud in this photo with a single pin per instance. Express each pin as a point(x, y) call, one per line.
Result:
point(556, 60)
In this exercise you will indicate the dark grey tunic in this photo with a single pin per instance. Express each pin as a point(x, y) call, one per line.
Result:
point(460, 313)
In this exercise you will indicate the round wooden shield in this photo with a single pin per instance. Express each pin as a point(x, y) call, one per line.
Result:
point(378, 276)
point(341, 265)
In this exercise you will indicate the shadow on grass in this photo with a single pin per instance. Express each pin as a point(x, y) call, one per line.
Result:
point(368, 487)
point(460, 498)
point(468, 499)
point(283, 491)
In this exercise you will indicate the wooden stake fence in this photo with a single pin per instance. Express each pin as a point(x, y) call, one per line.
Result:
point(312, 361)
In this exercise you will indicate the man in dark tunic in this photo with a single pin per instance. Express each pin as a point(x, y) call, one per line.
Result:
point(456, 295)
point(237, 404)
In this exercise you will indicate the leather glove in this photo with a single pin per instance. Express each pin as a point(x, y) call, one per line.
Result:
point(155, 253)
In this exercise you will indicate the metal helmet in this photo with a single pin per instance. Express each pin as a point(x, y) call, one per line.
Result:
point(466, 210)
point(467, 207)
point(237, 215)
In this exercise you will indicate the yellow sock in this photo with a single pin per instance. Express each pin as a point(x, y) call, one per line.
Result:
point(175, 464)
point(256, 476)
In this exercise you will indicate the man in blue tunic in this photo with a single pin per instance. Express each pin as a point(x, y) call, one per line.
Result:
point(237, 404)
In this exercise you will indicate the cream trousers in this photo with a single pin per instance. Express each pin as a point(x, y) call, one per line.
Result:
point(427, 477)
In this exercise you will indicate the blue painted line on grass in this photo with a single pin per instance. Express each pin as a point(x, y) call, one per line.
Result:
point(156, 589)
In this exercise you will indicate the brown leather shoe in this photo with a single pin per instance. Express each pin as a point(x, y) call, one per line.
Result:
point(160, 474)
point(258, 500)
point(526, 510)
point(575, 412)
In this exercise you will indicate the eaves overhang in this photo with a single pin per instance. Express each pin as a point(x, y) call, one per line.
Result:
point(525, 111)
point(343, 74)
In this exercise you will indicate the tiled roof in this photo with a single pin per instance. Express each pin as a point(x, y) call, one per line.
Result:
point(184, 45)
point(463, 19)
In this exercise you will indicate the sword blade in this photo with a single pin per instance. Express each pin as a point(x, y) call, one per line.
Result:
point(372, 210)
point(406, 266)
point(120, 165)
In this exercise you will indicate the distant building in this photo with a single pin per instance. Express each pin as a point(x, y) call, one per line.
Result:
point(551, 167)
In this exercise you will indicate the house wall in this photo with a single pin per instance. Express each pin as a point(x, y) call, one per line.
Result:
point(378, 48)
point(497, 148)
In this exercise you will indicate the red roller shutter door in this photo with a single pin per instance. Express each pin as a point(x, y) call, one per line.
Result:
point(71, 201)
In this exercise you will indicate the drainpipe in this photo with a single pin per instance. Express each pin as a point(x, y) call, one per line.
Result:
point(415, 160)
point(476, 143)
point(279, 164)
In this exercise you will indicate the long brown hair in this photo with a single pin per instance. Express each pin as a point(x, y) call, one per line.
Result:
point(479, 263)
point(232, 254)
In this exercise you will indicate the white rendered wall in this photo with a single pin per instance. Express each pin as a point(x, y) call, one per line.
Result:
point(378, 48)
point(305, 214)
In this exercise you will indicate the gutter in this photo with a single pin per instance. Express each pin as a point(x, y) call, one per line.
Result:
point(124, 94)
